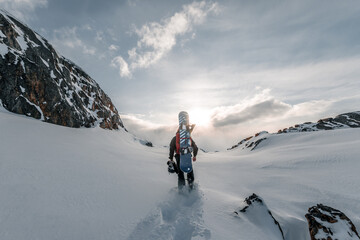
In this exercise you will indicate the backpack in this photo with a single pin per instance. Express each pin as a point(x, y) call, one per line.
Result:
point(178, 142)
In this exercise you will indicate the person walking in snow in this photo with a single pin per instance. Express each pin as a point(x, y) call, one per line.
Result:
point(175, 149)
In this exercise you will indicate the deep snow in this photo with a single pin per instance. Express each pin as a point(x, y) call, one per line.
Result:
point(64, 183)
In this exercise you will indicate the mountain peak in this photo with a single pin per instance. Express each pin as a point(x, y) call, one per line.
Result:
point(36, 81)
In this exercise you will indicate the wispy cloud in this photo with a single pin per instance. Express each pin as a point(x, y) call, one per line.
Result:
point(157, 39)
point(22, 9)
point(124, 70)
point(113, 47)
point(99, 36)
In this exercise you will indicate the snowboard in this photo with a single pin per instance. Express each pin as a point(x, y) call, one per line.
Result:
point(185, 142)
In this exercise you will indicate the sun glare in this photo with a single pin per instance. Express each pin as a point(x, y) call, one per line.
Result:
point(199, 117)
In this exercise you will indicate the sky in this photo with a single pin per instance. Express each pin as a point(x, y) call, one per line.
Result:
point(237, 66)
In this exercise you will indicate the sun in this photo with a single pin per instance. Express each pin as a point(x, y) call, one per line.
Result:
point(200, 117)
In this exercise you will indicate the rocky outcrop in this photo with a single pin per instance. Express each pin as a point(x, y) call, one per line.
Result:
point(37, 82)
point(345, 120)
point(251, 142)
point(258, 213)
point(328, 223)
point(146, 143)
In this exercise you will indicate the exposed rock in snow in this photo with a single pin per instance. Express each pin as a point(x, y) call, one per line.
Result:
point(36, 81)
point(257, 212)
point(328, 223)
point(251, 142)
point(146, 143)
point(345, 120)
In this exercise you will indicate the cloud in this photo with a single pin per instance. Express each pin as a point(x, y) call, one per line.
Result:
point(113, 47)
point(67, 37)
point(264, 107)
point(229, 124)
point(298, 94)
point(132, 3)
point(157, 39)
point(123, 66)
point(156, 133)
point(87, 27)
point(260, 106)
point(99, 36)
point(311, 108)
point(22, 9)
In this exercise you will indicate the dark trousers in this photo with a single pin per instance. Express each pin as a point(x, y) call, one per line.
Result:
point(181, 178)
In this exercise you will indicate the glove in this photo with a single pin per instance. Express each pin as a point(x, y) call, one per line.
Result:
point(171, 166)
point(194, 159)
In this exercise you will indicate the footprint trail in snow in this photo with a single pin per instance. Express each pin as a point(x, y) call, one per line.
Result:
point(179, 217)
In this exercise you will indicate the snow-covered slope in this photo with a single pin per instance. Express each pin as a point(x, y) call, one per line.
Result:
point(62, 183)
point(345, 120)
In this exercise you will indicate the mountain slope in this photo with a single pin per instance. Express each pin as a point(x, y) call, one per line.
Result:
point(345, 120)
point(62, 183)
point(38, 82)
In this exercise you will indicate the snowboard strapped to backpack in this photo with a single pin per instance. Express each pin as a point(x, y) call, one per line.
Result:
point(183, 142)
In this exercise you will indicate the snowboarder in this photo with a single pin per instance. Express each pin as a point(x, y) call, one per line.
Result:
point(175, 149)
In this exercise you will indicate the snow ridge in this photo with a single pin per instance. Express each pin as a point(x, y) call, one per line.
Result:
point(258, 214)
point(252, 142)
point(345, 120)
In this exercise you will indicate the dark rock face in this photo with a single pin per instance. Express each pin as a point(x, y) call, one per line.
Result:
point(146, 143)
point(36, 81)
point(329, 223)
point(345, 120)
point(256, 209)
